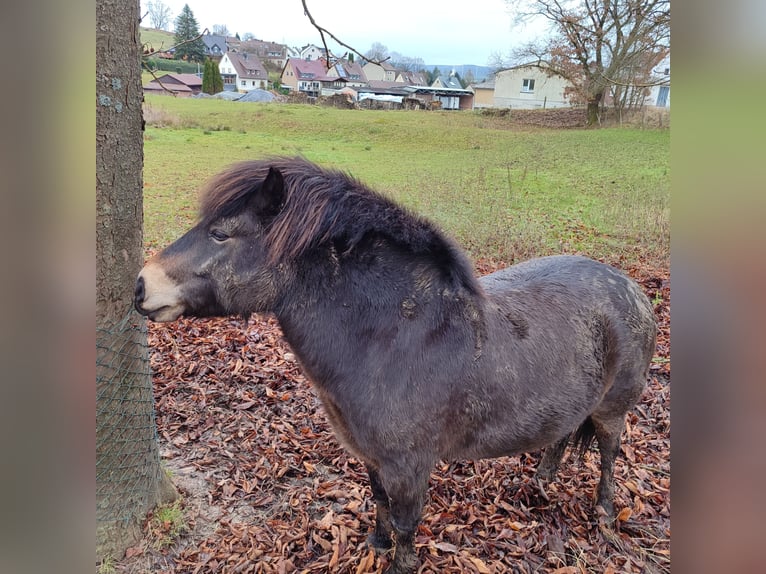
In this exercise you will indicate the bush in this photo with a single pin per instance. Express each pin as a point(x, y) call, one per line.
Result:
point(175, 66)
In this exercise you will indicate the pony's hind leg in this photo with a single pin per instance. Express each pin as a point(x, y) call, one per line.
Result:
point(608, 436)
point(552, 454)
point(380, 538)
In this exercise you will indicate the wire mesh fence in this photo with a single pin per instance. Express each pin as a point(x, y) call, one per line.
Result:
point(127, 469)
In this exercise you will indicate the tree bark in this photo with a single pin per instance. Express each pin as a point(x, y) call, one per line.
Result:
point(594, 103)
point(129, 479)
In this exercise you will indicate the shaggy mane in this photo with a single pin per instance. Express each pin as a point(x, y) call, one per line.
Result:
point(324, 205)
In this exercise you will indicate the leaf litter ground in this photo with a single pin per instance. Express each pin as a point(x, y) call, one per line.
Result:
point(266, 487)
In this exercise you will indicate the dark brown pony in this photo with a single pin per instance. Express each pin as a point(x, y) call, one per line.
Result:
point(414, 359)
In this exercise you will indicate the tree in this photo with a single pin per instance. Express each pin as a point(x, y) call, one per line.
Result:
point(189, 44)
point(207, 78)
point(159, 14)
point(212, 83)
point(597, 44)
point(377, 52)
point(221, 30)
point(433, 74)
point(129, 479)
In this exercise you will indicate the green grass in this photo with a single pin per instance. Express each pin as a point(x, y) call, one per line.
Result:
point(157, 39)
point(503, 191)
point(167, 524)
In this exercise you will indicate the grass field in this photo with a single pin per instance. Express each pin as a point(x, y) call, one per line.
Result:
point(157, 39)
point(505, 191)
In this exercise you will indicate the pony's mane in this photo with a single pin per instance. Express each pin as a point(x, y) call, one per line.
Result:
point(324, 205)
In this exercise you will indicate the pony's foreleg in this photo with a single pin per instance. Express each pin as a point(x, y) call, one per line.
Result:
point(551, 459)
point(380, 539)
point(407, 499)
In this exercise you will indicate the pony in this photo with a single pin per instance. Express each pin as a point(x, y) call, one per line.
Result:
point(414, 358)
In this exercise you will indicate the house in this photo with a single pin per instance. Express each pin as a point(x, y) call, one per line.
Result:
point(351, 72)
point(242, 72)
point(659, 94)
point(183, 85)
point(308, 52)
point(450, 81)
point(530, 86)
point(411, 78)
point(215, 45)
point(383, 72)
point(267, 52)
point(484, 94)
point(307, 76)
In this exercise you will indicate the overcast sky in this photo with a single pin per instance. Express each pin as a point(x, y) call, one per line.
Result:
point(439, 32)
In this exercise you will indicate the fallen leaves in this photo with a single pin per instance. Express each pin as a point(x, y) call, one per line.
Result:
point(280, 495)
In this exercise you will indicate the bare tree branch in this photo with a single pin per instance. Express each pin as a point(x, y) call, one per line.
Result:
point(322, 31)
point(147, 53)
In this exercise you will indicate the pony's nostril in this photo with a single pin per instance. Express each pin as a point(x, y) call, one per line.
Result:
point(140, 291)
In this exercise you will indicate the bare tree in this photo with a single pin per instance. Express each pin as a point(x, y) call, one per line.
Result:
point(597, 44)
point(159, 14)
point(377, 52)
point(221, 30)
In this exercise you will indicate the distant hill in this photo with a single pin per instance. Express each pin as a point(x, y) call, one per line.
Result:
point(157, 39)
point(479, 72)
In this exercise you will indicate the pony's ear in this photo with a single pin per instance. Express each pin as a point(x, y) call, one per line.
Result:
point(267, 199)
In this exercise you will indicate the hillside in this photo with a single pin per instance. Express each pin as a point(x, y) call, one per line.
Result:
point(157, 40)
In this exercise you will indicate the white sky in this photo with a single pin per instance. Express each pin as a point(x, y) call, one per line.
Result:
point(443, 32)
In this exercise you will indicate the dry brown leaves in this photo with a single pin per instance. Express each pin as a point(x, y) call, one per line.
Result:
point(268, 489)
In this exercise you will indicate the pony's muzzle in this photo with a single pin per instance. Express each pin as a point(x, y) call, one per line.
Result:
point(138, 297)
point(157, 296)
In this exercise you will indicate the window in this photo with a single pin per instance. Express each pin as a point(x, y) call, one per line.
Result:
point(243, 83)
point(527, 85)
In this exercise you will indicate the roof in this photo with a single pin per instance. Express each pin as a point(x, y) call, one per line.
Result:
point(438, 91)
point(449, 82)
point(213, 40)
point(414, 78)
point(191, 80)
point(262, 48)
point(155, 86)
point(484, 86)
point(350, 71)
point(308, 69)
point(247, 65)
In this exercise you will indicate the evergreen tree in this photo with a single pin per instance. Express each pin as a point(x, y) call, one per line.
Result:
point(433, 74)
point(207, 77)
point(217, 79)
point(187, 48)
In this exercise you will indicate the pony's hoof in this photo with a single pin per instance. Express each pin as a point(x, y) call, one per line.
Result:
point(546, 474)
point(380, 544)
point(605, 511)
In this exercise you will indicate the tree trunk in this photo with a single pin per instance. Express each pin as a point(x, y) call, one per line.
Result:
point(594, 102)
point(129, 479)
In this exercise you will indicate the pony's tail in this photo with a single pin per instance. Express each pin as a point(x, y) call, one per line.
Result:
point(583, 437)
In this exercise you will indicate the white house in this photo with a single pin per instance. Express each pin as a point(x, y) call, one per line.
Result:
point(242, 72)
point(659, 94)
point(529, 86)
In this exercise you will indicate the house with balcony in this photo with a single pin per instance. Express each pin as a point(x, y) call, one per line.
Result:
point(304, 76)
point(242, 72)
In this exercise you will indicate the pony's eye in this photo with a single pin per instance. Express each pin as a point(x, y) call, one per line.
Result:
point(218, 235)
